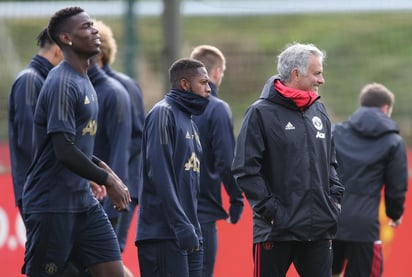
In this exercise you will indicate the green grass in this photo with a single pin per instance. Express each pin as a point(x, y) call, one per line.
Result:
point(361, 48)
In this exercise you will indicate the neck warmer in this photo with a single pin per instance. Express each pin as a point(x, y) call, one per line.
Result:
point(188, 102)
point(301, 98)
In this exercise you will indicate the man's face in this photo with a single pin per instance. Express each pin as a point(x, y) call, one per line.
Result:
point(314, 77)
point(84, 36)
point(200, 83)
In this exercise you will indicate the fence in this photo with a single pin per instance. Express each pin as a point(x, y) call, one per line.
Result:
point(363, 46)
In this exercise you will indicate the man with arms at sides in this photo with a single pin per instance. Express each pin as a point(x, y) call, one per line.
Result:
point(112, 142)
point(105, 59)
point(168, 231)
point(371, 156)
point(218, 144)
point(285, 163)
point(21, 103)
point(63, 219)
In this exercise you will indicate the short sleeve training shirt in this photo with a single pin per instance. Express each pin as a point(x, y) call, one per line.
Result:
point(68, 104)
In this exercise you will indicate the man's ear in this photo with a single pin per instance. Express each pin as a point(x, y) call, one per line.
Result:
point(65, 38)
point(386, 109)
point(295, 73)
point(218, 72)
point(184, 84)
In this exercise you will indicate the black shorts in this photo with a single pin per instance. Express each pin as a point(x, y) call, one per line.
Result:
point(55, 238)
point(357, 258)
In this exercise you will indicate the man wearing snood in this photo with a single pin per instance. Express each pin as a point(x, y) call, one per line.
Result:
point(169, 238)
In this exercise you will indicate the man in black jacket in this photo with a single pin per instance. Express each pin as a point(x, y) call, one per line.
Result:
point(371, 156)
point(285, 164)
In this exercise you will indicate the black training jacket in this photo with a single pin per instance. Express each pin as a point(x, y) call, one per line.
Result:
point(285, 164)
point(371, 156)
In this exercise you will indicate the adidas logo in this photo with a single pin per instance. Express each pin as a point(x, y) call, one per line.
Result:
point(86, 100)
point(289, 126)
point(188, 136)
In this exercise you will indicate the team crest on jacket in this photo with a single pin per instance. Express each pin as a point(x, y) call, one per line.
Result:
point(317, 122)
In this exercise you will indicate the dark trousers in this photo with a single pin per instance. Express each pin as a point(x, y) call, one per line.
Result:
point(357, 258)
point(273, 258)
point(123, 223)
point(209, 233)
point(164, 258)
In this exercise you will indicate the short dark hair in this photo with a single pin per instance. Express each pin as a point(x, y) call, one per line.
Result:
point(183, 69)
point(376, 95)
point(56, 22)
point(43, 39)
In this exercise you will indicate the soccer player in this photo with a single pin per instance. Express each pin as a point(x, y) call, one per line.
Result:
point(112, 142)
point(107, 57)
point(218, 143)
point(21, 103)
point(63, 219)
point(168, 231)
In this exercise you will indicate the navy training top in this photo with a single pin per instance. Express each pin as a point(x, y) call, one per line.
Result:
point(21, 104)
point(138, 116)
point(170, 169)
point(67, 103)
point(218, 142)
point(114, 134)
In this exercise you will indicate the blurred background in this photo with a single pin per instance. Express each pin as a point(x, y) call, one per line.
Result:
point(366, 41)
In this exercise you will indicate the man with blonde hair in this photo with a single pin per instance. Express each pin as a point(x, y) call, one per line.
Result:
point(105, 59)
point(218, 143)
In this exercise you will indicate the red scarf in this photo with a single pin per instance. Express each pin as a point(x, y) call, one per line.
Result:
point(301, 98)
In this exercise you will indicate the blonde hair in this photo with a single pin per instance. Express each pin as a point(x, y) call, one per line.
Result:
point(108, 48)
point(210, 56)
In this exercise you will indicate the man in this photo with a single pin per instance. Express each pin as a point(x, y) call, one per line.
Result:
point(112, 140)
point(63, 219)
point(107, 57)
point(218, 143)
point(22, 101)
point(285, 164)
point(168, 231)
point(371, 156)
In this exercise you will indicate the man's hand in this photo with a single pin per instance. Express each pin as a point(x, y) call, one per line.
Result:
point(395, 223)
point(235, 212)
point(98, 191)
point(116, 189)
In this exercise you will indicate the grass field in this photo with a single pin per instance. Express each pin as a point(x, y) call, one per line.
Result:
point(361, 48)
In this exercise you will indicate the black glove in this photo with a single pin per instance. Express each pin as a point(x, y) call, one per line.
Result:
point(235, 212)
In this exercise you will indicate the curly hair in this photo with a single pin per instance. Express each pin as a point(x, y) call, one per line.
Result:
point(183, 69)
point(56, 22)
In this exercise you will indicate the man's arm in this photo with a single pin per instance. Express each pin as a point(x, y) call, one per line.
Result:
point(396, 183)
point(75, 160)
point(223, 146)
point(247, 167)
